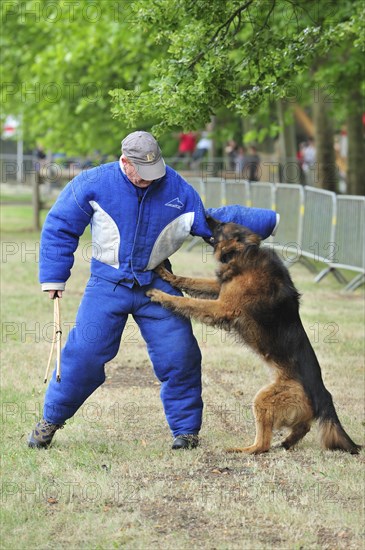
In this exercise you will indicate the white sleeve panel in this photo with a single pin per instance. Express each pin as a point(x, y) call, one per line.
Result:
point(105, 237)
point(53, 286)
point(170, 239)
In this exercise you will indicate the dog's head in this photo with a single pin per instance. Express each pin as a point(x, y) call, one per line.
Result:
point(230, 239)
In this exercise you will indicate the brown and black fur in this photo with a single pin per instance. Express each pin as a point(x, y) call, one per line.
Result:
point(255, 296)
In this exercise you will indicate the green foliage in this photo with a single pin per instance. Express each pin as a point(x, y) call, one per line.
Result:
point(59, 61)
point(82, 74)
point(240, 55)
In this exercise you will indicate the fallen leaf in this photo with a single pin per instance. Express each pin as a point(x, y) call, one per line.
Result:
point(223, 471)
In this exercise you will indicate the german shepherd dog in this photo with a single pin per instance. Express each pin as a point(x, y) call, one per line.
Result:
point(255, 296)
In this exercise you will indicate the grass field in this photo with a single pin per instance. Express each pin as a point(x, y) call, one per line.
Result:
point(111, 481)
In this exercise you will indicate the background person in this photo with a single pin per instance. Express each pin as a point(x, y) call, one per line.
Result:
point(309, 160)
point(187, 144)
point(252, 165)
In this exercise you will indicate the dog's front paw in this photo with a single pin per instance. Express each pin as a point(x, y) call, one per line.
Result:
point(252, 449)
point(155, 295)
point(164, 273)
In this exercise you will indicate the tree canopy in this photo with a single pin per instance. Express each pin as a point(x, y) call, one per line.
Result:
point(241, 54)
point(59, 61)
point(167, 64)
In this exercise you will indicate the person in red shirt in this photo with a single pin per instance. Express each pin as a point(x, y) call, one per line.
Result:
point(187, 144)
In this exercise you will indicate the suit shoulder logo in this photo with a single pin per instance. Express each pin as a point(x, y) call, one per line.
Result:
point(175, 203)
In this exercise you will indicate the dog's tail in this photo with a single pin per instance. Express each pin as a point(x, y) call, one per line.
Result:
point(332, 434)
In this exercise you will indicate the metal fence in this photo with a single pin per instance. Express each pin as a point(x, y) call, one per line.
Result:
point(237, 192)
point(349, 237)
point(262, 195)
point(319, 221)
point(289, 202)
point(315, 225)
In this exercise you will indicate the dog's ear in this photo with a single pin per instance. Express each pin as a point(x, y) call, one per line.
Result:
point(213, 223)
point(247, 237)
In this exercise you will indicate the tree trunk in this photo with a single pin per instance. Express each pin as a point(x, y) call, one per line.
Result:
point(289, 168)
point(36, 202)
point(356, 148)
point(326, 173)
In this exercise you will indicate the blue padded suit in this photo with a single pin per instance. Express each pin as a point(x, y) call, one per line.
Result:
point(133, 230)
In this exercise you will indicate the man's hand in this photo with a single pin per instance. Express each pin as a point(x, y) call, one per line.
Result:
point(55, 294)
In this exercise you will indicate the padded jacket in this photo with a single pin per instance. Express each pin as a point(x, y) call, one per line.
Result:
point(132, 229)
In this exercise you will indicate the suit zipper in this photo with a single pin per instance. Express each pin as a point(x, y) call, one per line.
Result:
point(140, 201)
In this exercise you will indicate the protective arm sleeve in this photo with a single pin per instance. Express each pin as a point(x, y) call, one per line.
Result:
point(65, 223)
point(259, 220)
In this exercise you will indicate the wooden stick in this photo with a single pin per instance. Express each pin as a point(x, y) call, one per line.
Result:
point(59, 337)
point(51, 352)
point(57, 332)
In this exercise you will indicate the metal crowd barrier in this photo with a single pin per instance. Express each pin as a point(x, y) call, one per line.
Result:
point(213, 191)
point(237, 192)
point(289, 202)
point(315, 224)
point(350, 238)
point(262, 195)
point(319, 223)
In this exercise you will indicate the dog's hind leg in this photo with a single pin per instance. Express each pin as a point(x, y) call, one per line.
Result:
point(281, 403)
point(297, 433)
point(296, 412)
point(264, 417)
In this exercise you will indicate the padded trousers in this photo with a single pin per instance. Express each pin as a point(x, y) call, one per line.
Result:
point(95, 340)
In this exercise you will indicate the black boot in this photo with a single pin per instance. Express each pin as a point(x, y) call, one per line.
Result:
point(185, 441)
point(42, 434)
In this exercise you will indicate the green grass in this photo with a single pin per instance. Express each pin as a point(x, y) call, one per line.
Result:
point(15, 198)
point(111, 481)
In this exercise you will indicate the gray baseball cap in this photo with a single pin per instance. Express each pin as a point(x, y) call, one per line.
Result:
point(142, 149)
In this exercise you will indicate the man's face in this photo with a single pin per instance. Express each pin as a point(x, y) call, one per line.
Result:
point(133, 176)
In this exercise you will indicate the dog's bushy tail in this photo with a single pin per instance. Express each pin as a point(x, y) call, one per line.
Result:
point(332, 434)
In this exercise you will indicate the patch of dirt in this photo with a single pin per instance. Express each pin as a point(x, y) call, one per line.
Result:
point(328, 539)
point(128, 376)
point(161, 513)
point(169, 515)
